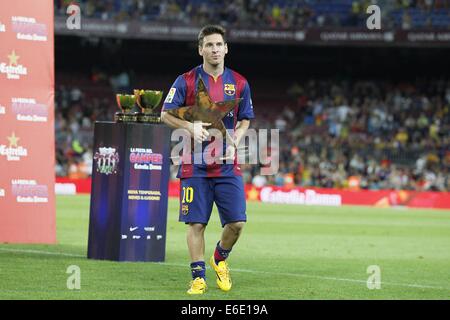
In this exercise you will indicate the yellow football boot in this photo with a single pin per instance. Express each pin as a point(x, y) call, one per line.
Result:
point(223, 274)
point(198, 286)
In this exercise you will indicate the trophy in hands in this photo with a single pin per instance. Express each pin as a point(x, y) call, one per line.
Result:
point(148, 101)
point(126, 103)
point(206, 110)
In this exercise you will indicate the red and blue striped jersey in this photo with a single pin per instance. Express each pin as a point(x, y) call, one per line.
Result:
point(228, 86)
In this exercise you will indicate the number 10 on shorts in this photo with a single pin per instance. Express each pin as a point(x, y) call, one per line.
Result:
point(188, 194)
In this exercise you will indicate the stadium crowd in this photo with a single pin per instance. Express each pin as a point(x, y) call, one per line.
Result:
point(405, 14)
point(372, 135)
point(342, 134)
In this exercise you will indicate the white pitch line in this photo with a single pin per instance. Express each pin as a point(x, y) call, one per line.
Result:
point(43, 252)
point(341, 279)
point(238, 270)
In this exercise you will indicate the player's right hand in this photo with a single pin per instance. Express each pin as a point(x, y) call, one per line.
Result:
point(198, 132)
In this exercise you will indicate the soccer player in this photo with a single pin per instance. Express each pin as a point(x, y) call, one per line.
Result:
point(203, 184)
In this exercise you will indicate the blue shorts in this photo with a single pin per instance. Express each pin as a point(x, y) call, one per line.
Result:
point(198, 194)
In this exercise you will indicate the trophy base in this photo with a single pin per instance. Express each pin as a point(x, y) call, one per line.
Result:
point(148, 118)
point(125, 117)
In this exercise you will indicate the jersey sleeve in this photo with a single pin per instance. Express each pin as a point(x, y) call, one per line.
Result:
point(177, 95)
point(246, 105)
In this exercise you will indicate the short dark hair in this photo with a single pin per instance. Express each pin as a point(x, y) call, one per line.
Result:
point(209, 30)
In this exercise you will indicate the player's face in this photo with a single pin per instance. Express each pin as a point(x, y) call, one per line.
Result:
point(213, 49)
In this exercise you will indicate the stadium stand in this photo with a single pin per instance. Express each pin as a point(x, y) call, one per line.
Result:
point(405, 14)
point(370, 134)
point(377, 134)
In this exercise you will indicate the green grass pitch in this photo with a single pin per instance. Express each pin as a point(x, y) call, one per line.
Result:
point(285, 252)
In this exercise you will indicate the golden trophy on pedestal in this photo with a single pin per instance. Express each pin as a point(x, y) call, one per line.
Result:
point(148, 101)
point(126, 103)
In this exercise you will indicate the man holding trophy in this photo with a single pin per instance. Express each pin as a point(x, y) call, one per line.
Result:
point(211, 96)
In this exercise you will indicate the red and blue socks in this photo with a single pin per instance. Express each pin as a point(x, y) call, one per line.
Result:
point(198, 269)
point(220, 254)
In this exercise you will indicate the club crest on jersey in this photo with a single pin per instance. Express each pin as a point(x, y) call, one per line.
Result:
point(229, 89)
point(184, 209)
